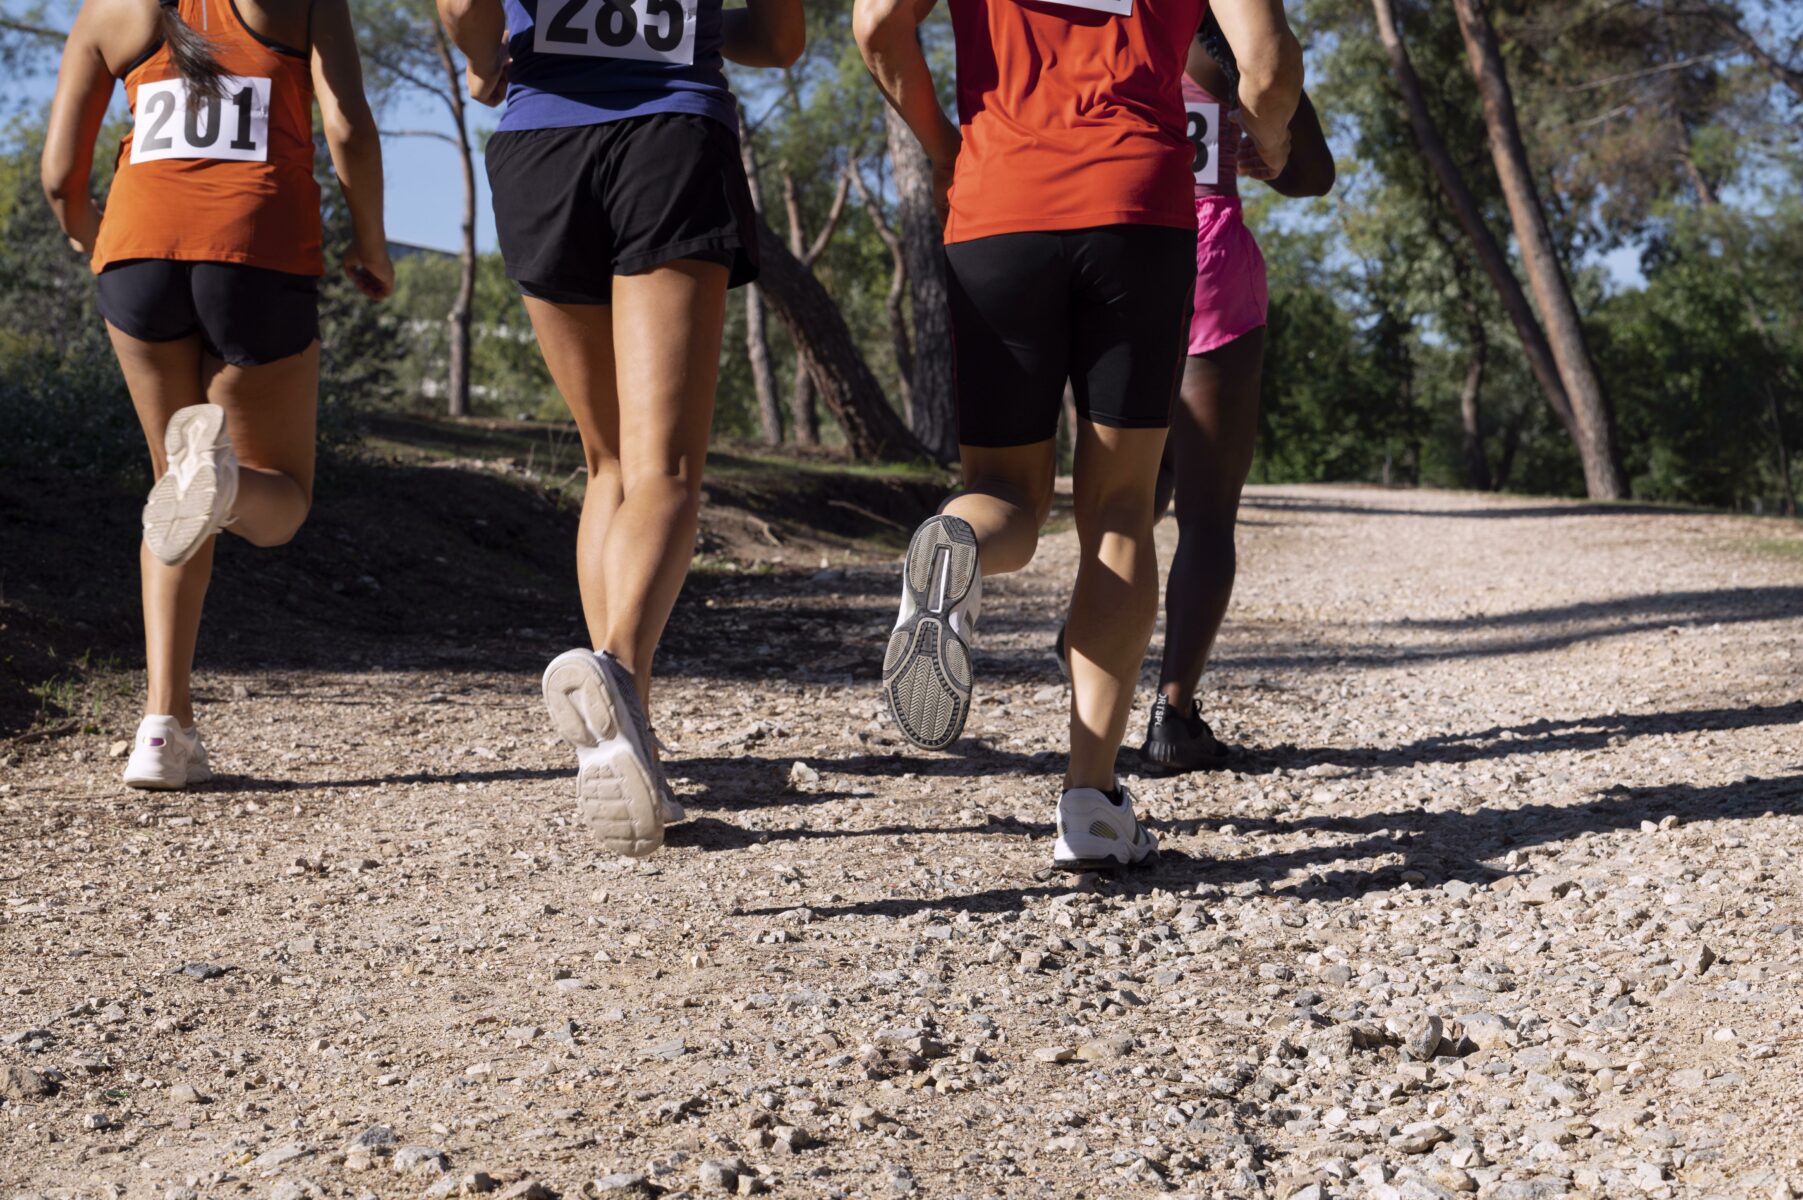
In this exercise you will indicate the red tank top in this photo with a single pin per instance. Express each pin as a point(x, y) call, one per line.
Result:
point(229, 179)
point(1072, 115)
point(1214, 142)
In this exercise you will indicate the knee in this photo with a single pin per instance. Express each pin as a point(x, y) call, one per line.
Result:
point(1125, 510)
point(274, 535)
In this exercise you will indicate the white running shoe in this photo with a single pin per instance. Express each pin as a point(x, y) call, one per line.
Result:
point(166, 757)
point(1095, 833)
point(193, 500)
point(926, 668)
point(620, 789)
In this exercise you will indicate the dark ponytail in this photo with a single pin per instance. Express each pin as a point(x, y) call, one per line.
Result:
point(1215, 43)
point(191, 51)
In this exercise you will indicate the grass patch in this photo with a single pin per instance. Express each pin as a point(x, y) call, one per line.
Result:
point(1774, 547)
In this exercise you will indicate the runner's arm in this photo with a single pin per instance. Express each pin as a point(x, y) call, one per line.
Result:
point(479, 29)
point(84, 87)
point(766, 33)
point(888, 34)
point(355, 144)
point(1270, 67)
point(1310, 171)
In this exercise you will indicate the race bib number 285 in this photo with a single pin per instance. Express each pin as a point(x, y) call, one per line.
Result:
point(643, 30)
point(232, 123)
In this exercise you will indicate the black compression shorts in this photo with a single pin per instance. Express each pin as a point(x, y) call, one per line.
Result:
point(576, 206)
point(1107, 309)
point(246, 316)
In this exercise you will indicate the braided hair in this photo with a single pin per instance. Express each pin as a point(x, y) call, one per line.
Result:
point(1215, 43)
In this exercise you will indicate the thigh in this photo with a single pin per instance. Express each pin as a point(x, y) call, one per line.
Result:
point(1027, 474)
point(1215, 431)
point(577, 341)
point(1130, 322)
point(1009, 299)
point(668, 323)
point(162, 377)
point(272, 412)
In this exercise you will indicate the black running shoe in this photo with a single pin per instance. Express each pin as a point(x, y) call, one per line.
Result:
point(1181, 743)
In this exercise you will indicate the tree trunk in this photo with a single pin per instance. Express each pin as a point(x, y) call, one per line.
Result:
point(898, 291)
point(459, 317)
point(826, 349)
point(804, 417)
point(1471, 219)
point(1603, 472)
point(934, 418)
point(757, 341)
point(1471, 416)
point(1505, 458)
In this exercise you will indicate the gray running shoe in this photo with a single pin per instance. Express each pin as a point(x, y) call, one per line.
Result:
point(621, 793)
point(926, 668)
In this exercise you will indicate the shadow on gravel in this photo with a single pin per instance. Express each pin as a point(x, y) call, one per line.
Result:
point(1441, 846)
point(249, 783)
point(1507, 741)
point(1482, 513)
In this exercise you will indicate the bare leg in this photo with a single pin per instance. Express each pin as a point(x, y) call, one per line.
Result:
point(1115, 602)
point(270, 418)
point(1213, 434)
point(646, 439)
point(1007, 494)
point(578, 344)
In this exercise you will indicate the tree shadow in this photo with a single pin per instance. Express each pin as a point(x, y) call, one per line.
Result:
point(1575, 508)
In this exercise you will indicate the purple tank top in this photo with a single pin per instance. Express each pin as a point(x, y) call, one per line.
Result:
point(587, 62)
point(1216, 141)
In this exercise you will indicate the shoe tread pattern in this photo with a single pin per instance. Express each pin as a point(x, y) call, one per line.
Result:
point(926, 665)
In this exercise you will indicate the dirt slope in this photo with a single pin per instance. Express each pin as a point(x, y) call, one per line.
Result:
point(1503, 899)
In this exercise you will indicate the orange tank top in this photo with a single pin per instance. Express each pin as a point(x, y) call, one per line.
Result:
point(1072, 113)
point(229, 179)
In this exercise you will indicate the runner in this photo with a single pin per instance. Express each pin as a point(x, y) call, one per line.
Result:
point(1069, 230)
point(1215, 425)
point(624, 216)
point(208, 259)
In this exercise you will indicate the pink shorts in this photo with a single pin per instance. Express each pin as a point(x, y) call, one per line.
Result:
point(1231, 297)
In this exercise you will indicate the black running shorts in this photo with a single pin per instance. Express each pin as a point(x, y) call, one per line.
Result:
point(1106, 308)
point(574, 207)
point(246, 316)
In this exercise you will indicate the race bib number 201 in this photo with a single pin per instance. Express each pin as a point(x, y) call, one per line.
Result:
point(1204, 122)
point(233, 123)
point(643, 30)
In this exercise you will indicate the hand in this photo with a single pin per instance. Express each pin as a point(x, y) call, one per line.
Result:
point(1259, 161)
point(489, 86)
point(370, 271)
point(84, 227)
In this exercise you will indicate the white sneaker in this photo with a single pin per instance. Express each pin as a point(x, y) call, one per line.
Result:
point(926, 668)
point(166, 756)
point(620, 789)
point(1095, 832)
point(193, 500)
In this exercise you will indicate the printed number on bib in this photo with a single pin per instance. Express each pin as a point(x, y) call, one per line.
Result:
point(1205, 139)
point(1119, 8)
point(643, 30)
point(233, 123)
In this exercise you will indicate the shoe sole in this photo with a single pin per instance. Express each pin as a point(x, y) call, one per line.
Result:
point(926, 667)
point(162, 783)
point(616, 796)
point(1110, 861)
point(178, 517)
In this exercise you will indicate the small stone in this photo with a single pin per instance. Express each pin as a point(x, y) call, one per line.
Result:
point(1544, 889)
point(528, 1189)
point(1489, 1031)
point(1105, 1049)
point(862, 1116)
point(624, 1184)
point(118, 749)
point(1419, 1138)
point(97, 1120)
point(1698, 959)
point(801, 775)
point(413, 1158)
point(715, 1176)
point(1054, 1054)
point(901, 1181)
point(183, 1093)
point(1421, 1039)
point(23, 1083)
point(270, 1161)
point(201, 970)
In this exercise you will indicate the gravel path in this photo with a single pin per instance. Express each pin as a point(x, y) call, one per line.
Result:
point(1503, 899)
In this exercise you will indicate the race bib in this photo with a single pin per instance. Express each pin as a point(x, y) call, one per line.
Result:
point(1119, 8)
point(642, 30)
point(1204, 122)
point(231, 123)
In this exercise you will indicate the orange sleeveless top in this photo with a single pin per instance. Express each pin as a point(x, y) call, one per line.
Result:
point(229, 179)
